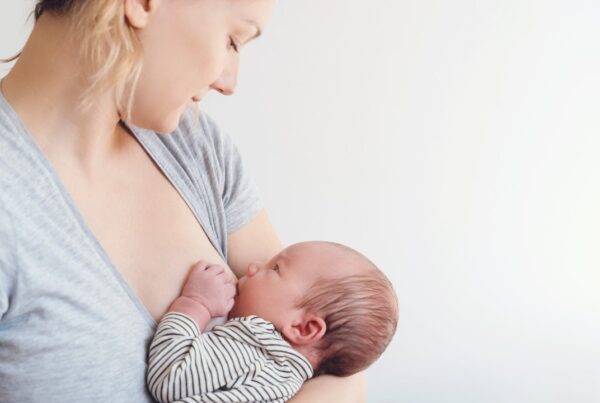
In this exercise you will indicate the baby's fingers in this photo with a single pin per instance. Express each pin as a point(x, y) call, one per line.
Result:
point(229, 290)
point(230, 305)
point(200, 266)
point(215, 269)
point(230, 278)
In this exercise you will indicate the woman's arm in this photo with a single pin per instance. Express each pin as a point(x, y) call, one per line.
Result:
point(327, 389)
point(258, 241)
point(254, 242)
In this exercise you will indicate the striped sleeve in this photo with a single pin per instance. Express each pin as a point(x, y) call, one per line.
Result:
point(179, 363)
point(245, 360)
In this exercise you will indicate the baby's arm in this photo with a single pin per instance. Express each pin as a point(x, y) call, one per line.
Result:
point(178, 352)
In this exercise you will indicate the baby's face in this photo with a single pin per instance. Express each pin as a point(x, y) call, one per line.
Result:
point(271, 290)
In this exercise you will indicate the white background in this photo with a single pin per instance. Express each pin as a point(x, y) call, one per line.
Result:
point(456, 143)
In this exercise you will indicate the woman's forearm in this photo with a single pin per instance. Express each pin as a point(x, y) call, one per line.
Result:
point(327, 389)
point(257, 241)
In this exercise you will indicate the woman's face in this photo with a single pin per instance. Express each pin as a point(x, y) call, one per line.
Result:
point(189, 49)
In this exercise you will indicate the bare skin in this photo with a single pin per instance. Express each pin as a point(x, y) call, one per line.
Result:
point(140, 220)
point(148, 231)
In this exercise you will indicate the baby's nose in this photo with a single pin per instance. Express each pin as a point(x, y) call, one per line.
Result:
point(252, 269)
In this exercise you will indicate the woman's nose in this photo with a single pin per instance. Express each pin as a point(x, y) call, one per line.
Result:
point(227, 81)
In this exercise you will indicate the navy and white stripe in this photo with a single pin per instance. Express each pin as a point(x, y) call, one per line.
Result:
point(244, 360)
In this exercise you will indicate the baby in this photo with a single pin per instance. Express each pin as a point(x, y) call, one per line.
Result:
point(314, 308)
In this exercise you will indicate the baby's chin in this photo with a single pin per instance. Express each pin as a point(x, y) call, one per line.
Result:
point(236, 312)
point(243, 310)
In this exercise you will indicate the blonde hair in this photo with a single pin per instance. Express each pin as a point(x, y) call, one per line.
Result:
point(110, 49)
point(361, 314)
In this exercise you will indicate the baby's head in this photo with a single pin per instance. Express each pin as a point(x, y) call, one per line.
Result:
point(329, 302)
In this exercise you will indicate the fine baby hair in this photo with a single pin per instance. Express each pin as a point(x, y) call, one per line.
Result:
point(361, 313)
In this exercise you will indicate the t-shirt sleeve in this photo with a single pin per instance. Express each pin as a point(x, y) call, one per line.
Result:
point(7, 261)
point(240, 195)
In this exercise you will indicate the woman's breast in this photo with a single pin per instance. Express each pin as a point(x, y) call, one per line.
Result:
point(147, 230)
point(165, 250)
point(154, 244)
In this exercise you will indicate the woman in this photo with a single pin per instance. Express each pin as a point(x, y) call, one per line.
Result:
point(101, 213)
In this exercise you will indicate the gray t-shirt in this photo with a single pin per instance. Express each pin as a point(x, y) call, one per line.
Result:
point(71, 329)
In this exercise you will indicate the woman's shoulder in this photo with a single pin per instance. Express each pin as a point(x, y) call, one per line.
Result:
point(203, 132)
point(19, 158)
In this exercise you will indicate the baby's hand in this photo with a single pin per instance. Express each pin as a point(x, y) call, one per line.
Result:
point(212, 286)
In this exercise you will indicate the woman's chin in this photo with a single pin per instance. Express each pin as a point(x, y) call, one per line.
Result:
point(164, 123)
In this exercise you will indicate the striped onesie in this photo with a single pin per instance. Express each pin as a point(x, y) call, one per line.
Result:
point(244, 360)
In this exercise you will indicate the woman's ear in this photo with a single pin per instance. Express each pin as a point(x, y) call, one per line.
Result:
point(137, 12)
point(307, 330)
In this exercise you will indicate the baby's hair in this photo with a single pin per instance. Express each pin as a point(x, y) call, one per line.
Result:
point(361, 313)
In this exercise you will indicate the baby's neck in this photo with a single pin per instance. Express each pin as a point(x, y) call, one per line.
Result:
point(311, 355)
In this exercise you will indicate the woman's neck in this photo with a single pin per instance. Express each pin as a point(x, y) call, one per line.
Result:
point(44, 88)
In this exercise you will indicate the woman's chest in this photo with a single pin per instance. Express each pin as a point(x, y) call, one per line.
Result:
point(147, 229)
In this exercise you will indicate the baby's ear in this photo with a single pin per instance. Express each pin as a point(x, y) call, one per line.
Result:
point(306, 330)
